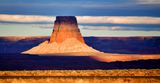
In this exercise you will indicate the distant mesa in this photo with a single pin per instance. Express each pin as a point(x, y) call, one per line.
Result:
point(65, 38)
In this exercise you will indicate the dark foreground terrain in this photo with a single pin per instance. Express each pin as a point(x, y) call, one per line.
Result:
point(33, 62)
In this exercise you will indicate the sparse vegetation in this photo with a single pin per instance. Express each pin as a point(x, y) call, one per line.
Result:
point(116, 72)
point(81, 76)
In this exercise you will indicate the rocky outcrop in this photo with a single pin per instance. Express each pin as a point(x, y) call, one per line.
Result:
point(65, 38)
point(65, 27)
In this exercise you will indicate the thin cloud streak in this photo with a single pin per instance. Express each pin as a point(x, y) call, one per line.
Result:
point(25, 18)
point(117, 28)
point(84, 19)
point(148, 1)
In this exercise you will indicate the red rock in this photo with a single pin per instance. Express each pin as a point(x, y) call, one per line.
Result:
point(65, 38)
point(65, 27)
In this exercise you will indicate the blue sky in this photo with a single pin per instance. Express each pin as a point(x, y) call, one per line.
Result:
point(81, 7)
point(138, 17)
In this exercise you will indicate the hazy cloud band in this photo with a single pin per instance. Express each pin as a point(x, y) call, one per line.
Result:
point(119, 19)
point(84, 19)
point(148, 1)
point(25, 18)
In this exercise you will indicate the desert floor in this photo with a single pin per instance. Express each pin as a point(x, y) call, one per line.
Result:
point(81, 76)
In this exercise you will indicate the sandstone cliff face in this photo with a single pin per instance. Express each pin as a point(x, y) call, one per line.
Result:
point(65, 38)
point(65, 27)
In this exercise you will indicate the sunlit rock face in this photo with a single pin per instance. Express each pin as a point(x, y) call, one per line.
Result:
point(65, 27)
point(65, 38)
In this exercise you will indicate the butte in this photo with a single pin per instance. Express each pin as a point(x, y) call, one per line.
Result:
point(65, 39)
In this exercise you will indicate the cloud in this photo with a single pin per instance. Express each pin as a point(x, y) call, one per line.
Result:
point(84, 19)
point(148, 1)
point(25, 18)
point(119, 19)
point(117, 28)
point(101, 27)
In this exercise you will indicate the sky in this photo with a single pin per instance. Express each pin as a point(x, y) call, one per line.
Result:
point(98, 17)
point(81, 7)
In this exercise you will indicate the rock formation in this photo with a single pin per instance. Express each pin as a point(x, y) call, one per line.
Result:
point(65, 27)
point(65, 38)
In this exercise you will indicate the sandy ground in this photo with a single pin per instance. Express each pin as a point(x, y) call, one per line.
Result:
point(114, 72)
point(81, 76)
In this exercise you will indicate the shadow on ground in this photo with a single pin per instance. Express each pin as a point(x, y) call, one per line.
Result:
point(35, 62)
